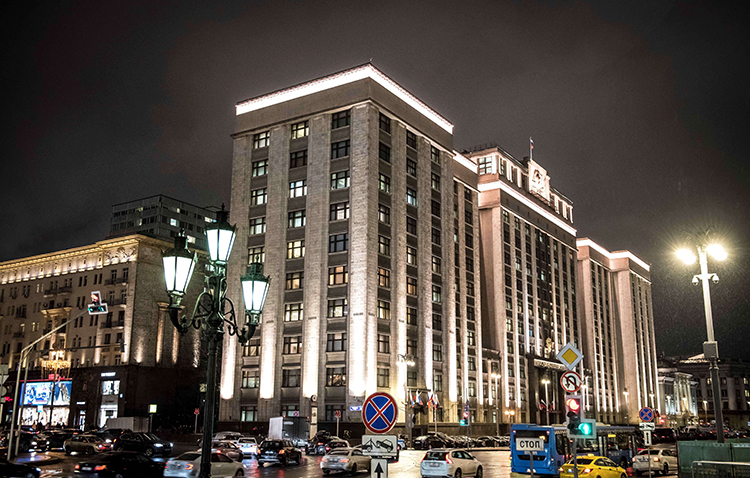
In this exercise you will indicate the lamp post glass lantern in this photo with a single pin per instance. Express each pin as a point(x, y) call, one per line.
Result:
point(214, 312)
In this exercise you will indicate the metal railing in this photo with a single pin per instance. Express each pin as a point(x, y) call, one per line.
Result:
point(720, 469)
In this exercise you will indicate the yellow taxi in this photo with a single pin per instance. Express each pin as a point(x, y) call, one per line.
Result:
point(593, 467)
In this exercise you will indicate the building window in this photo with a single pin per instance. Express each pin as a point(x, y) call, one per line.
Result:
point(470, 264)
point(435, 154)
point(411, 197)
point(295, 280)
point(385, 123)
point(340, 119)
point(435, 208)
point(411, 225)
point(293, 312)
point(258, 225)
point(340, 180)
point(336, 342)
point(437, 293)
point(384, 183)
point(252, 348)
point(384, 343)
point(256, 254)
point(437, 322)
point(384, 310)
point(411, 140)
point(471, 338)
point(470, 313)
point(411, 316)
point(339, 211)
point(298, 159)
point(384, 377)
point(340, 149)
point(292, 345)
point(251, 378)
point(384, 152)
point(384, 245)
point(296, 218)
point(485, 165)
point(261, 140)
point(411, 379)
point(295, 249)
point(437, 382)
point(435, 182)
point(248, 413)
point(411, 167)
point(435, 236)
point(258, 197)
point(260, 168)
point(337, 308)
point(298, 188)
point(331, 412)
point(338, 242)
point(411, 347)
point(338, 275)
point(384, 277)
point(470, 288)
point(472, 388)
point(290, 377)
point(411, 285)
point(384, 214)
point(436, 265)
point(411, 255)
point(336, 377)
point(300, 130)
point(472, 364)
point(437, 352)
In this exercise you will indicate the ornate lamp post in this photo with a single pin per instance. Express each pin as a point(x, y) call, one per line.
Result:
point(407, 361)
point(495, 376)
point(546, 382)
point(213, 309)
point(710, 346)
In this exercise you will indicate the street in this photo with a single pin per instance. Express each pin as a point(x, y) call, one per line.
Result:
point(495, 463)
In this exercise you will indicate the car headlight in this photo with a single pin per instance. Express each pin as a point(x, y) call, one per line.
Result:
point(171, 444)
point(158, 444)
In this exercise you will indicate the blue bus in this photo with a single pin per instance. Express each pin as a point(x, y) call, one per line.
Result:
point(617, 443)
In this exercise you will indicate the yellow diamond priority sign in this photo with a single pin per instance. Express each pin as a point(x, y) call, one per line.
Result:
point(569, 356)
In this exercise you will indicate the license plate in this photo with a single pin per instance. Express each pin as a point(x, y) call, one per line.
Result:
point(86, 468)
point(434, 465)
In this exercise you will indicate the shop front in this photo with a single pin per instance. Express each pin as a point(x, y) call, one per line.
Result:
point(46, 402)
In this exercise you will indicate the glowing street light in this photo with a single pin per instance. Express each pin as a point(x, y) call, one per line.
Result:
point(408, 361)
point(710, 346)
point(546, 382)
point(495, 376)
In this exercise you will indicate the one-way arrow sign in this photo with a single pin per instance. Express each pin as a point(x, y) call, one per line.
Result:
point(379, 468)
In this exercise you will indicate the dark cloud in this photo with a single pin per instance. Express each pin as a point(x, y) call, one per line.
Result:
point(638, 111)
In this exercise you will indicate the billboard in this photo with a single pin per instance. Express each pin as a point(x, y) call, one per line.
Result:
point(37, 393)
point(62, 393)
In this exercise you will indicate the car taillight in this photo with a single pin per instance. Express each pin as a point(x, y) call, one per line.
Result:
point(448, 460)
point(100, 467)
point(101, 447)
point(78, 467)
point(656, 458)
point(344, 460)
point(189, 466)
point(586, 470)
point(281, 452)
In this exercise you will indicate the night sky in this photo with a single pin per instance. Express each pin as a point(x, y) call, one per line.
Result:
point(640, 115)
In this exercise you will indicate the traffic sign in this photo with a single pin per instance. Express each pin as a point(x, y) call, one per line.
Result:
point(380, 445)
point(197, 412)
point(646, 414)
point(648, 426)
point(570, 381)
point(379, 412)
point(355, 408)
point(569, 356)
point(379, 468)
point(529, 444)
point(337, 414)
point(647, 437)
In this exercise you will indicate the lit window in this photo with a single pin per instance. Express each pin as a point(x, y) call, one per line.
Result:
point(435, 182)
point(384, 343)
point(384, 183)
point(485, 165)
point(384, 310)
point(411, 316)
point(340, 180)
point(336, 377)
point(260, 168)
point(384, 245)
point(384, 214)
point(339, 211)
point(384, 277)
point(436, 265)
point(258, 225)
point(295, 280)
point(338, 275)
point(437, 293)
point(411, 285)
point(261, 140)
point(296, 218)
point(300, 130)
point(293, 312)
point(298, 188)
point(411, 255)
point(256, 254)
point(337, 308)
point(258, 197)
point(411, 197)
point(174, 222)
point(292, 345)
point(336, 342)
point(295, 249)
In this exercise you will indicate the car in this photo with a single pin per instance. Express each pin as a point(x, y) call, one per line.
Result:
point(12, 470)
point(119, 464)
point(56, 440)
point(663, 435)
point(188, 465)
point(401, 444)
point(88, 444)
point(336, 443)
point(282, 452)
point(224, 436)
point(487, 442)
point(426, 442)
point(116, 432)
point(345, 459)
point(249, 446)
point(143, 442)
point(595, 466)
point(661, 461)
point(229, 449)
point(317, 443)
point(104, 435)
point(456, 463)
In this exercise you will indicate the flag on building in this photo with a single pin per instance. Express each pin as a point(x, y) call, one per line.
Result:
point(542, 405)
point(419, 398)
point(435, 401)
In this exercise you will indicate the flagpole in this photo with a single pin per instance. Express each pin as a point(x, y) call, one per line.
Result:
point(531, 148)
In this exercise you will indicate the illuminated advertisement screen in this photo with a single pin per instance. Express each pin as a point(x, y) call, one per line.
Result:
point(37, 393)
point(62, 393)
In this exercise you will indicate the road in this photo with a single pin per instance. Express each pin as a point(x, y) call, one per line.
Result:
point(494, 462)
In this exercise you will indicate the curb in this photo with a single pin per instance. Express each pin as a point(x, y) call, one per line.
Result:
point(48, 461)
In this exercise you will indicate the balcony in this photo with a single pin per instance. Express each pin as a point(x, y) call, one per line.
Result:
point(20, 314)
point(18, 335)
point(118, 280)
point(122, 301)
point(110, 324)
point(65, 290)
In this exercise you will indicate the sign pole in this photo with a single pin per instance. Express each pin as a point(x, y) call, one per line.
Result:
point(531, 463)
point(196, 424)
point(337, 425)
point(575, 459)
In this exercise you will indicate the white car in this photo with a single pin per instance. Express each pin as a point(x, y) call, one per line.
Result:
point(661, 461)
point(345, 459)
point(453, 463)
point(249, 446)
point(188, 465)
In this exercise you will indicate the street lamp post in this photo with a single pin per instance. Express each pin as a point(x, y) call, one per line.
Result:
point(213, 309)
point(545, 381)
point(408, 361)
point(710, 346)
point(627, 407)
point(509, 414)
point(705, 409)
point(495, 376)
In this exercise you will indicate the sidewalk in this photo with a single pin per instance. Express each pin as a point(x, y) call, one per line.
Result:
point(36, 459)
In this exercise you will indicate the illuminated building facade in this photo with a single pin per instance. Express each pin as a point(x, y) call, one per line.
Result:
point(134, 337)
point(618, 340)
point(348, 190)
point(528, 281)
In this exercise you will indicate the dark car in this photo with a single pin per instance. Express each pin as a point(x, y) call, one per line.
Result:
point(56, 440)
point(318, 442)
point(119, 464)
point(278, 451)
point(429, 442)
point(147, 443)
point(116, 432)
point(12, 470)
point(104, 435)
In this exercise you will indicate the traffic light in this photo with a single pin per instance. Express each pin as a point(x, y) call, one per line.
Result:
point(574, 412)
point(586, 429)
point(96, 306)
